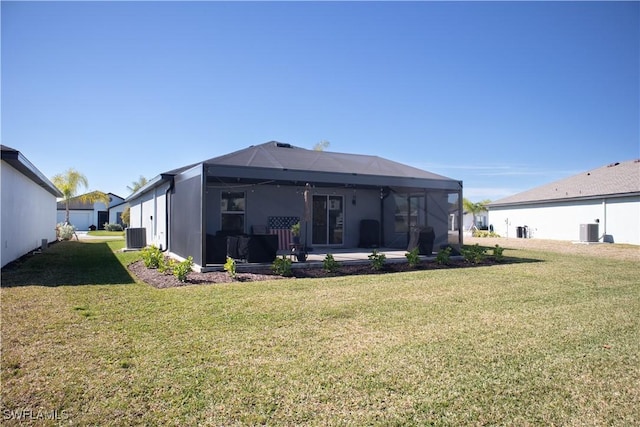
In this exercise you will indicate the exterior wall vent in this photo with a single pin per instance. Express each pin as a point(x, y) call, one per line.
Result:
point(136, 238)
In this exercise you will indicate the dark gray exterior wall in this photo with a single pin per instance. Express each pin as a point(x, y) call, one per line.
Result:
point(186, 215)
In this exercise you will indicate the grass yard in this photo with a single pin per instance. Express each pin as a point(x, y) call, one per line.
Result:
point(105, 233)
point(534, 343)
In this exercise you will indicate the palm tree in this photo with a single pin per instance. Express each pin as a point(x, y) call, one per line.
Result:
point(136, 185)
point(474, 208)
point(320, 146)
point(68, 183)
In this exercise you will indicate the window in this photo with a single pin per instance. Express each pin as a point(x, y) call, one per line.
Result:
point(232, 207)
point(410, 211)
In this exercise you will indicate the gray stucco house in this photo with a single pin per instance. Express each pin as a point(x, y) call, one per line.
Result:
point(341, 200)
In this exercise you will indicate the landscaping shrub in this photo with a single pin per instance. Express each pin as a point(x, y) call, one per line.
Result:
point(497, 253)
point(152, 257)
point(330, 264)
point(182, 269)
point(230, 267)
point(282, 266)
point(484, 233)
point(377, 260)
point(112, 227)
point(474, 254)
point(413, 257)
point(166, 266)
point(444, 256)
point(65, 231)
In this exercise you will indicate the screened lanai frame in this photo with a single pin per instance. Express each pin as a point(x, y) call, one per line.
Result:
point(186, 202)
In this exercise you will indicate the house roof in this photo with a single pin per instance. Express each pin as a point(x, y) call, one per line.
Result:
point(620, 178)
point(19, 162)
point(281, 156)
point(277, 161)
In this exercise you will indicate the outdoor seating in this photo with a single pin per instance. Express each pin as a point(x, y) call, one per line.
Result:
point(422, 238)
point(247, 248)
point(369, 233)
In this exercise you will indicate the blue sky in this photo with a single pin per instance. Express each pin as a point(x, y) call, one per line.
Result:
point(505, 96)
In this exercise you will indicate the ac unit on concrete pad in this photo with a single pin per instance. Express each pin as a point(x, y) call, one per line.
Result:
point(136, 238)
point(588, 232)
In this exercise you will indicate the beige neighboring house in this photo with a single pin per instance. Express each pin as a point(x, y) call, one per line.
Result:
point(83, 215)
point(28, 206)
point(600, 205)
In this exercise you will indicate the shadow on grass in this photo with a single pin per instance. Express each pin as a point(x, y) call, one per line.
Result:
point(66, 264)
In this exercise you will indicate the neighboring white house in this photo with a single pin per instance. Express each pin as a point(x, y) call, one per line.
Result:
point(83, 215)
point(28, 206)
point(607, 198)
point(480, 221)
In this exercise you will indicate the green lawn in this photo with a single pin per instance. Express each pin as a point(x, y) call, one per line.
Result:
point(533, 343)
point(102, 233)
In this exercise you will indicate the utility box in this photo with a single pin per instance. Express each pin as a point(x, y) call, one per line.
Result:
point(589, 232)
point(135, 238)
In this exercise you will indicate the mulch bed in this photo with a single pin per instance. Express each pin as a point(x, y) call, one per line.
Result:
point(166, 280)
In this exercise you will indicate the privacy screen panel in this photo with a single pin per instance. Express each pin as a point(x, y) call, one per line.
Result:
point(186, 220)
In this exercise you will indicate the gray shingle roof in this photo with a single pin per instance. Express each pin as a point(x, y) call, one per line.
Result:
point(279, 161)
point(277, 155)
point(613, 179)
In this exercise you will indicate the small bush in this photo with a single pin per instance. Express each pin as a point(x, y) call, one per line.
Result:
point(497, 253)
point(65, 231)
point(473, 254)
point(182, 269)
point(377, 260)
point(444, 256)
point(484, 233)
point(230, 267)
point(282, 266)
point(152, 257)
point(112, 227)
point(330, 264)
point(413, 257)
point(166, 266)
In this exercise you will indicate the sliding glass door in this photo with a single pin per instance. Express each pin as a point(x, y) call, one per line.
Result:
point(328, 220)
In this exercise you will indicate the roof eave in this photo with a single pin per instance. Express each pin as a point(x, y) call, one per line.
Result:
point(270, 174)
point(153, 183)
point(566, 199)
point(19, 162)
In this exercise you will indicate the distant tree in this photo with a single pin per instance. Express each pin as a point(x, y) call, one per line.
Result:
point(474, 209)
point(136, 185)
point(126, 216)
point(69, 182)
point(321, 146)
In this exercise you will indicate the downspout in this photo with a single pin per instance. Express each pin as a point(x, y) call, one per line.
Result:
point(154, 217)
point(382, 197)
point(167, 214)
point(604, 219)
point(460, 218)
